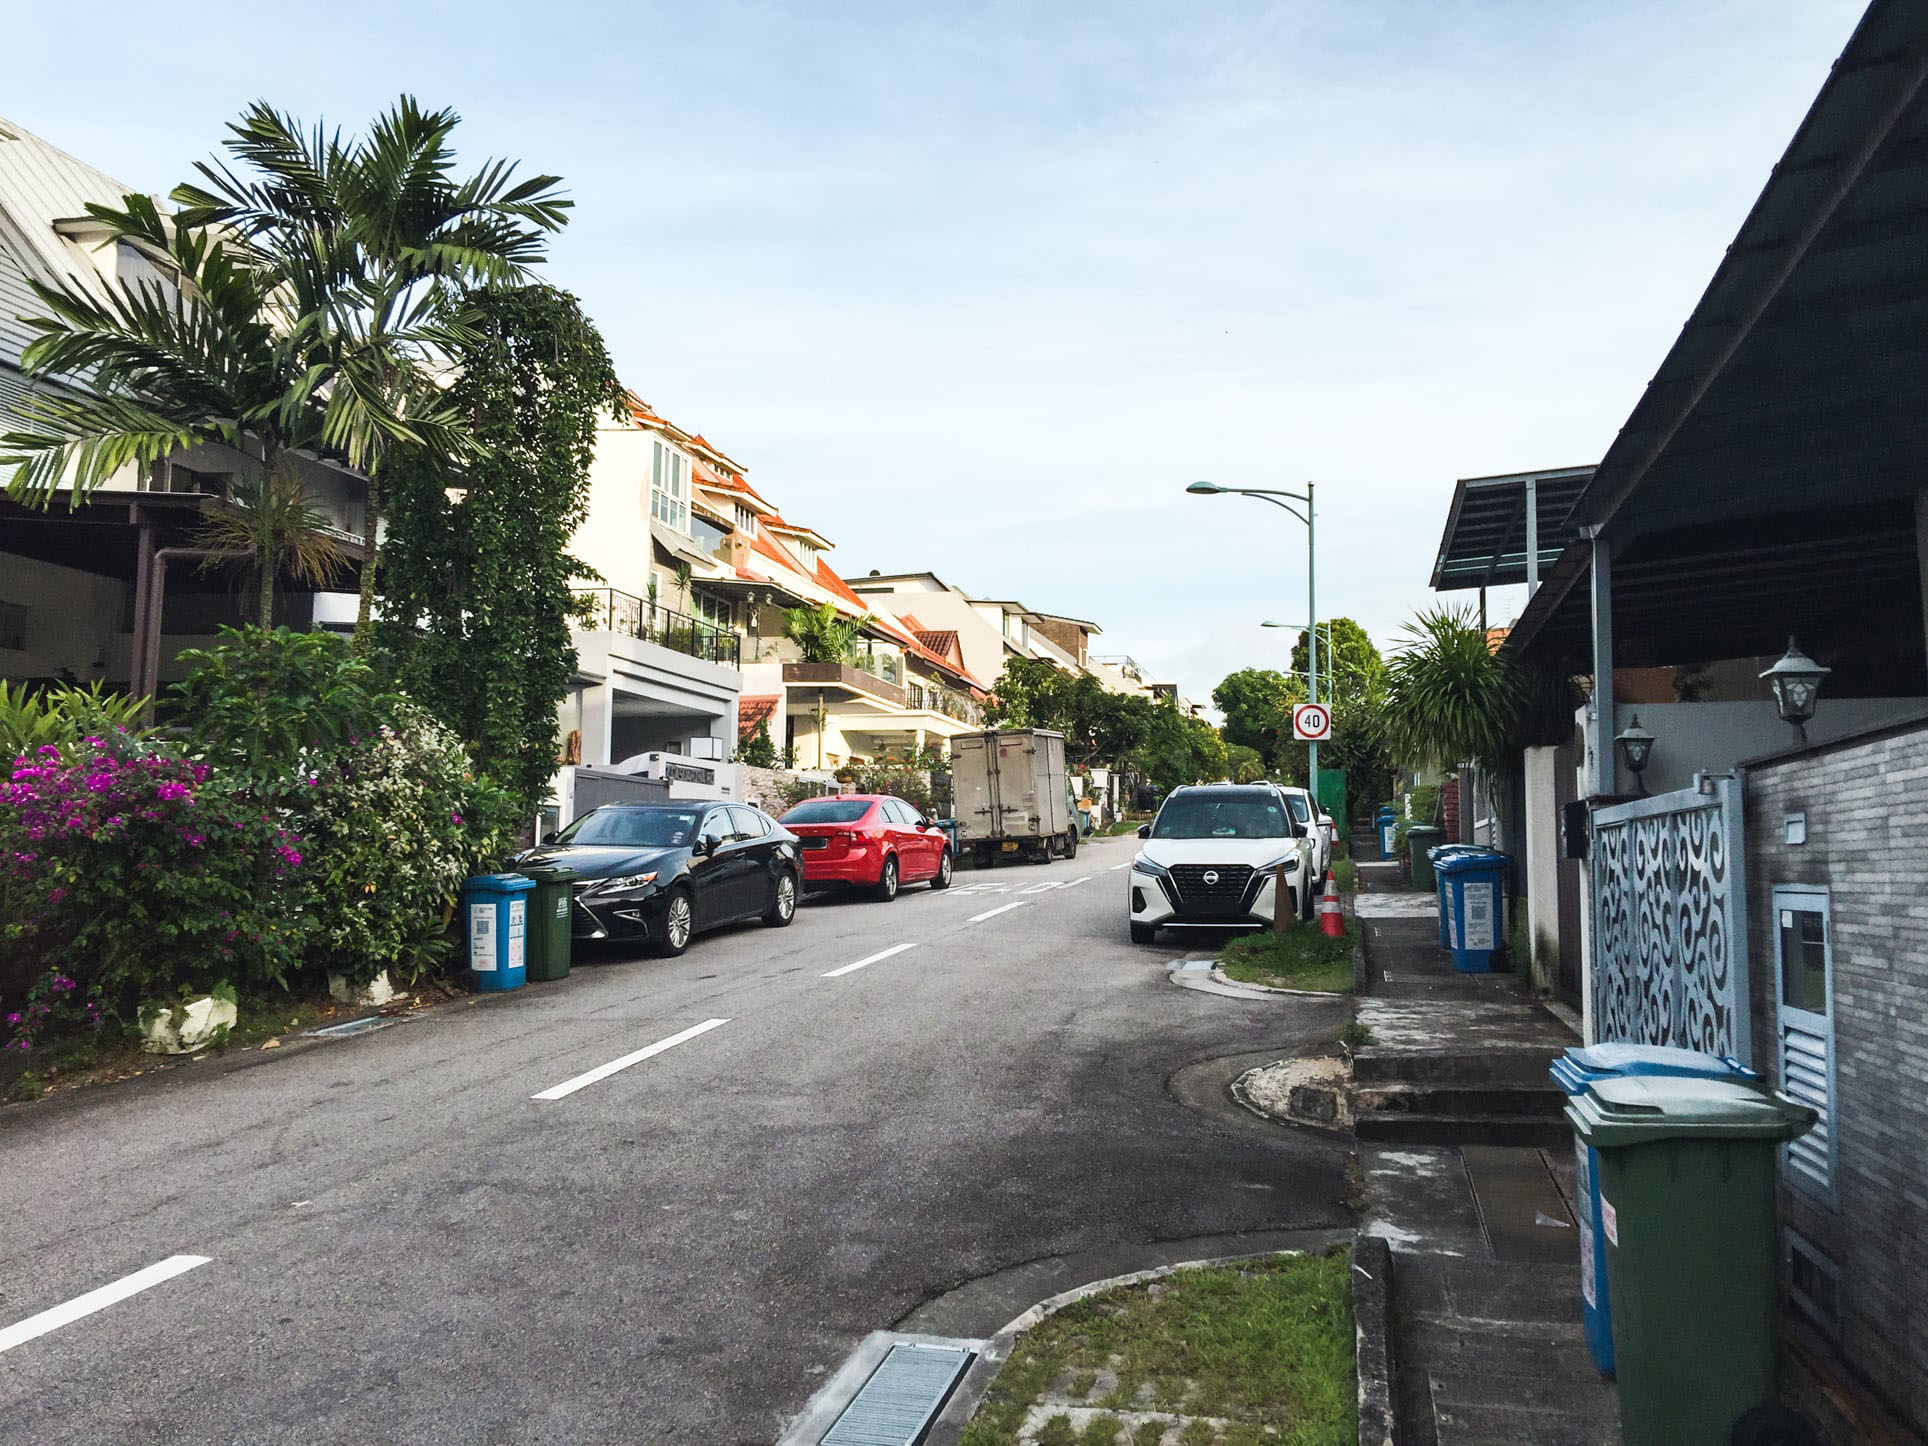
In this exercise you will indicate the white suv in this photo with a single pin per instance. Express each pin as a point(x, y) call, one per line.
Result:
point(1210, 859)
point(1305, 812)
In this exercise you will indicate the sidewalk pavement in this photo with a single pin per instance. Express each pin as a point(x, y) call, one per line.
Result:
point(1487, 1337)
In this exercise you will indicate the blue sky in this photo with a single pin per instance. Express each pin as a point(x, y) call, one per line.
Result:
point(979, 288)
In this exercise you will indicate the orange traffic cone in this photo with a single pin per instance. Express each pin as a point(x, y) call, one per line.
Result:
point(1331, 919)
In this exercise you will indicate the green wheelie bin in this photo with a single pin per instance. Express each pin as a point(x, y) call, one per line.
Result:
point(549, 911)
point(1421, 838)
point(1686, 1173)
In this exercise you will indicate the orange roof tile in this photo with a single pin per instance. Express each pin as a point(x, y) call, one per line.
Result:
point(752, 710)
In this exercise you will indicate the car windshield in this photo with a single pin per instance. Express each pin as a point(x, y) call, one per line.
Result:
point(1243, 817)
point(636, 828)
point(828, 810)
point(1301, 810)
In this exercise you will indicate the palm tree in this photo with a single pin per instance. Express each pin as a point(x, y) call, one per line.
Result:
point(821, 633)
point(1449, 697)
point(229, 354)
point(280, 531)
point(391, 237)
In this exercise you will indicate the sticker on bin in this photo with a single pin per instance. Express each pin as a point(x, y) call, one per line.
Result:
point(1479, 915)
point(1588, 1289)
point(1609, 1221)
point(518, 931)
point(482, 937)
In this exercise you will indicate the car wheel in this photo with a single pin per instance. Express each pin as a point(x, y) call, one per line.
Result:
point(1307, 906)
point(783, 903)
point(1071, 842)
point(1144, 933)
point(886, 889)
point(679, 924)
point(942, 878)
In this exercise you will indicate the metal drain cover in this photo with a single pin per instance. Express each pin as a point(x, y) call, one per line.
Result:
point(350, 1026)
point(902, 1397)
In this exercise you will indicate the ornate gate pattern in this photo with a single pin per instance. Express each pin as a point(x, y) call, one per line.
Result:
point(1670, 921)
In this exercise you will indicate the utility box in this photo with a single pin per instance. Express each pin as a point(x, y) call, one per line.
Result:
point(1011, 796)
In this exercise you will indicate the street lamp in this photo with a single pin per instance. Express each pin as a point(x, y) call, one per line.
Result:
point(1635, 746)
point(1796, 680)
point(1285, 499)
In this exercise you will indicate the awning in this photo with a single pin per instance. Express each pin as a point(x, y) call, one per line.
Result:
point(1486, 539)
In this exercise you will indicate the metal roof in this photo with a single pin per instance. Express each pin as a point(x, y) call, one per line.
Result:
point(1485, 541)
point(1789, 415)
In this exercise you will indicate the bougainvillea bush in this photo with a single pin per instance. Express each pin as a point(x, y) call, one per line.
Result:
point(393, 822)
point(125, 869)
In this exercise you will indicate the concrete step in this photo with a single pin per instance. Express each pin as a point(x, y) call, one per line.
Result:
point(1515, 1065)
point(1547, 1101)
point(1401, 1127)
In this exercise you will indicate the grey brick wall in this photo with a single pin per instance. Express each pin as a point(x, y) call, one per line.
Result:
point(1866, 803)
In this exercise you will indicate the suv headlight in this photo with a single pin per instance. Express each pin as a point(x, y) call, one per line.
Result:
point(1144, 865)
point(1290, 861)
point(625, 881)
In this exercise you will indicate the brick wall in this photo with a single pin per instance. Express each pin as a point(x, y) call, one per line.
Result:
point(1866, 802)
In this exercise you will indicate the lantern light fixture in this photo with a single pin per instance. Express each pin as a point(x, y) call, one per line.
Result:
point(1796, 683)
point(1635, 745)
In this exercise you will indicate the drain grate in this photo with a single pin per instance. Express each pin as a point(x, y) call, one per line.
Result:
point(901, 1398)
point(352, 1026)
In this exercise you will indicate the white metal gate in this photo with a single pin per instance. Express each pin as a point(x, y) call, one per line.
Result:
point(1670, 920)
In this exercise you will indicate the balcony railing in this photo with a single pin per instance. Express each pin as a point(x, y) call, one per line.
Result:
point(943, 700)
point(604, 609)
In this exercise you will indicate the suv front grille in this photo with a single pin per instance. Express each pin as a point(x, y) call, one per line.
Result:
point(1223, 890)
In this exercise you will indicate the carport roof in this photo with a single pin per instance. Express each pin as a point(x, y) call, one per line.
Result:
point(1485, 540)
point(1796, 388)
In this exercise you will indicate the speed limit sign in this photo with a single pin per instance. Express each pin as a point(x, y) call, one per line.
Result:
point(1311, 722)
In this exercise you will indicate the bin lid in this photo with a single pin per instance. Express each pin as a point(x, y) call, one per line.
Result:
point(1581, 1065)
point(549, 874)
point(1470, 861)
point(1424, 828)
point(1640, 1109)
point(499, 883)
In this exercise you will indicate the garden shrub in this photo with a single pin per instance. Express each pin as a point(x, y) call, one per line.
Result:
point(125, 867)
point(394, 822)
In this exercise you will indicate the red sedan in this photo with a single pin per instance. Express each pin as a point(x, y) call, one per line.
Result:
point(870, 840)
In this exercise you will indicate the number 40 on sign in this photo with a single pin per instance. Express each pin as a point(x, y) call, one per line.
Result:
point(1311, 722)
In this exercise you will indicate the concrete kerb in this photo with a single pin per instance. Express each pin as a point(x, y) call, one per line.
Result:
point(1372, 1339)
point(1372, 1350)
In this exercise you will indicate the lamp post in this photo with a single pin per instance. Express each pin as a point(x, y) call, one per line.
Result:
point(1285, 499)
point(1796, 680)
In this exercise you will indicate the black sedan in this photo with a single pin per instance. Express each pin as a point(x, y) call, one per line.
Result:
point(664, 872)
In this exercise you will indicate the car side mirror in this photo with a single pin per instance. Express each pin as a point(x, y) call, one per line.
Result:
point(1144, 830)
point(705, 845)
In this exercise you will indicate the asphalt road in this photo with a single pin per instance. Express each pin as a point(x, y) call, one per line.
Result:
point(403, 1244)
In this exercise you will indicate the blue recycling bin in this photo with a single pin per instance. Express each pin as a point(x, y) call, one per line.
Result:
point(1385, 822)
point(1474, 884)
point(1437, 854)
point(1575, 1072)
point(496, 908)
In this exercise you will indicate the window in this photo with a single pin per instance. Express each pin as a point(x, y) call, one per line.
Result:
point(712, 610)
point(806, 553)
point(139, 272)
point(1804, 981)
point(745, 520)
point(669, 488)
point(828, 810)
point(747, 822)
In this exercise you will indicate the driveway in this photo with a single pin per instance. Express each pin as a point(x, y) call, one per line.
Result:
point(404, 1243)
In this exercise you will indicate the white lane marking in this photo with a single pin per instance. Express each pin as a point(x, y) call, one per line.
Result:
point(1073, 883)
point(1115, 867)
point(604, 1071)
point(1043, 888)
point(881, 954)
point(86, 1305)
point(993, 913)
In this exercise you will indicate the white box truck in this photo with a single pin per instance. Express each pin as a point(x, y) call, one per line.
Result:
point(1011, 796)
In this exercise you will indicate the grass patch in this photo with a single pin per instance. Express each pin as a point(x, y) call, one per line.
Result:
point(1346, 874)
point(1300, 958)
point(1355, 1035)
point(1265, 1345)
